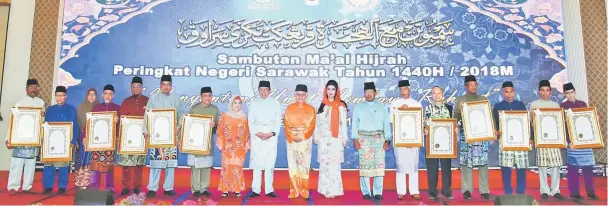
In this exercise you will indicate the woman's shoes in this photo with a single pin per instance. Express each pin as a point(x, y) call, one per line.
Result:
point(227, 194)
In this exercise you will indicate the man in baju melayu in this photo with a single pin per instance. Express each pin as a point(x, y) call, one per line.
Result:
point(371, 132)
point(300, 121)
point(24, 157)
point(406, 158)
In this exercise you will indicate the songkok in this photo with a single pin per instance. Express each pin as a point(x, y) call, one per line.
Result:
point(61, 89)
point(568, 86)
point(301, 88)
point(507, 84)
point(332, 82)
point(32, 82)
point(137, 80)
point(108, 87)
point(404, 83)
point(469, 78)
point(544, 83)
point(165, 78)
point(369, 85)
point(206, 90)
point(264, 84)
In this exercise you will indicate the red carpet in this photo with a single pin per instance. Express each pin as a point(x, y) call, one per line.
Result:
point(351, 185)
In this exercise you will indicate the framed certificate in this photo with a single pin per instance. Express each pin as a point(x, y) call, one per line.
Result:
point(515, 129)
point(25, 126)
point(162, 126)
point(583, 128)
point(549, 131)
point(477, 121)
point(56, 143)
point(442, 139)
point(132, 139)
point(407, 127)
point(196, 134)
point(101, 131)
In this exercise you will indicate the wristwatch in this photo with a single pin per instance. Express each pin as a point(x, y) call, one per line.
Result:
point(274, 134)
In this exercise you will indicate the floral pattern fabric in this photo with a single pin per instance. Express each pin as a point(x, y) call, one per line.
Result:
point(330, 152)
point(371, 154)
point(233, 142)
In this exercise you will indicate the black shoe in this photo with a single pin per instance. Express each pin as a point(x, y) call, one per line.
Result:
point(136, 191)
point(544, 196)
point(433, 197)
point(47, 191)
point(467, 195)
point(205, 193)
point(447, 195)
point(196, 194)
point(253, 194)
point(272, 194)
point(576, 197)
point(367, 197)
point(237, 194)
point(593, 197)
point(378, 197)
point(170, 193)
point(61, 191)
point(151, 194)
point(486, 196)
point(559, 196)
point(125, 191)
point(225, 194)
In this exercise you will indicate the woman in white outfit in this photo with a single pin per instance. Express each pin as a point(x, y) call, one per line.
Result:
point(331, 136)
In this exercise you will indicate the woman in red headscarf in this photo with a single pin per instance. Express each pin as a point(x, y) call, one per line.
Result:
point(233, 142)
point(331, 136)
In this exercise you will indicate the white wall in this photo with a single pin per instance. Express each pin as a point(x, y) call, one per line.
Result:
point(16, 66)
point(575, 50)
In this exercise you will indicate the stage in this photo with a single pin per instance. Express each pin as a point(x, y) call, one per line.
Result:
point(351, 186)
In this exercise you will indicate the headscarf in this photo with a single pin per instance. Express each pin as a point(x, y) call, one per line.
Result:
point(84, 107)
point(236, 114)
point(335, 111)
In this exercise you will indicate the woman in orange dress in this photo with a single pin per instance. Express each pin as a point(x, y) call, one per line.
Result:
point(233, 142)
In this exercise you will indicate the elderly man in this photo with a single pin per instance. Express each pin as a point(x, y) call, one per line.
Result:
point(371, 132)
point(300, 120)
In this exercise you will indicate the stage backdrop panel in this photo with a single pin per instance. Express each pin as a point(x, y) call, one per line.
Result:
point(232, 44)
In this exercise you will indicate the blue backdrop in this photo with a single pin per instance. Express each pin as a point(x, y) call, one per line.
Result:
point(434, 42)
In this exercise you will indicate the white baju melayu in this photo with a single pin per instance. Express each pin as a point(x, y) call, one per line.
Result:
point(406, 158)
point(24, 158)
point(264, 116)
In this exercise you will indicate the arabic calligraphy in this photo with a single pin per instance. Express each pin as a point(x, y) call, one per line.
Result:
point(320, 34)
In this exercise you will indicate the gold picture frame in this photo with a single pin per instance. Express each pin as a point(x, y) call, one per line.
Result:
point(433, 146)
point(414, 114)
point(589, 116)
point(188, 142)
point(476, 108)
point(57, 134)
point(107, 119)
point(509, 124)
point(127, 124)
point(170, 121)
point(555, 116)
point(17, 114)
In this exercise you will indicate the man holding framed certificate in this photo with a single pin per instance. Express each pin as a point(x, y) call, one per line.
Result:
point(509, 159)
point(200, 165)
point(24, 157)
point(439, 110)
point(578, 158)
point(133, 164)
point(102, 162)
point(547, 158)
point(472, 154)
point(406, 158)
point(60, 112)
point(163, 158)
